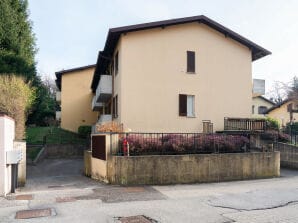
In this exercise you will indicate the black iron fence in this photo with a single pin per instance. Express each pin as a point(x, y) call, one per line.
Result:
point(136, 144)
point(292, 134)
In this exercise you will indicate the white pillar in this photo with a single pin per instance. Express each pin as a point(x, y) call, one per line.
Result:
point(7, 134)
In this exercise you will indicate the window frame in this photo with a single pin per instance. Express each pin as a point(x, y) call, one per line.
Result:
point(184, 105)
point(260, 108)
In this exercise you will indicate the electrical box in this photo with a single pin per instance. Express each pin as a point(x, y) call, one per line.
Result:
point(13, 156)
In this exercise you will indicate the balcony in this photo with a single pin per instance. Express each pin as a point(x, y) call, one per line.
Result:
point(96, 106)
point(244, 124)
point(58, 115)
point(58, 96)
point(104, 88)
point(102, 120)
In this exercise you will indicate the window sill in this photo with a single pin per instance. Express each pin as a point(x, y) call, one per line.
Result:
point(185, 116)
point(193, 116)
point(191, 73)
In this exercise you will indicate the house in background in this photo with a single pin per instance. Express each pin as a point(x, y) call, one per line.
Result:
point(286, 112)
point(260, 105)
point(75, 97)
point(174, 75)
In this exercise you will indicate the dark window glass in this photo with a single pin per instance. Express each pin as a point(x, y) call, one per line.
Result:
point(262, 109)
point(115, 106)
point(116, 63)
point(182, 104)
point(191, 61)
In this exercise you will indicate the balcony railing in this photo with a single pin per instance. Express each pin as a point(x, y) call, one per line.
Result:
point(58, 96)
point(104, 88)
point(96, 105)
point(244, 124)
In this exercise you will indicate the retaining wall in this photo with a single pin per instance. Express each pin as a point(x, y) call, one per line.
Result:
point(64, 151)
point(288, 155)
point(197, 168)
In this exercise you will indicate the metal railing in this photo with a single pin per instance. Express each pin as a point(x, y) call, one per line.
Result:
point(136, 144)
point(244, 124)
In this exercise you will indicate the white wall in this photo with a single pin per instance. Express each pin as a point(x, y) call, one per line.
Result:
point(7, 134)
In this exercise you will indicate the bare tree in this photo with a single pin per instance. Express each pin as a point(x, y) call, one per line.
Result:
point(279, 92)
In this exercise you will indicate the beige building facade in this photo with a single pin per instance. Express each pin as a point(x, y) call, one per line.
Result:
point(260, 105)
point(282, 113)
point(75, 97)
point(171, 76)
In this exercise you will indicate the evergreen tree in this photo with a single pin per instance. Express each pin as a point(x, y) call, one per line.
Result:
point(17, 52)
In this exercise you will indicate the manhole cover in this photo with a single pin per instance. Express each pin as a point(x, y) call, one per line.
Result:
point(65, 199)
point(25, 197)
point(134, 189)
point(136, 219)
point(36, 213)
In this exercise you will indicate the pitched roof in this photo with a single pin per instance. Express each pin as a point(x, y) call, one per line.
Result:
point(278, 105)
point(265, 99)
point(61, 72)
point(115, 33)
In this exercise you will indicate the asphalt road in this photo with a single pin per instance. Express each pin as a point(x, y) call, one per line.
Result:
point(59, 187)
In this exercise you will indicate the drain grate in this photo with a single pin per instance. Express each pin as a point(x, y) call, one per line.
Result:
point(136, 219)
point(35, 213)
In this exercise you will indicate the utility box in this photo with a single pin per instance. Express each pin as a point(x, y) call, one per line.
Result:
point(13, 156)
point(7, 134)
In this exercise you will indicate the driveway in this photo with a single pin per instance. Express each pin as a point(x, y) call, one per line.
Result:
point(64, 195)
point(57, 173)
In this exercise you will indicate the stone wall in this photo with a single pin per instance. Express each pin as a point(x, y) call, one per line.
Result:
point(288, 155)
point(197, 168)
point(64, 151)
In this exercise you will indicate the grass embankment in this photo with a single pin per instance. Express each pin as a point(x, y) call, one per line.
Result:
point(52, 135)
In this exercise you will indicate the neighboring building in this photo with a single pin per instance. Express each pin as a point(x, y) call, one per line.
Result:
point(285, 112)
point(260, 105)
point(172, 75)
point(75, 97)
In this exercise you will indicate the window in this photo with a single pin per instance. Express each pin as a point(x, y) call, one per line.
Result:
point(253, 109)
point(262, 109)
point(290, 107)
point(191, 57)
point(186, 105)
point(115, 106)
point(116, 63)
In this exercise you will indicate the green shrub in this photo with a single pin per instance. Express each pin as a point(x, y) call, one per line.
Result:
point(272, 123)
point(84, 131)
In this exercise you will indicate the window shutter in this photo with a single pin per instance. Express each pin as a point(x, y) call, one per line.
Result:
point(191, 61)
point(182, 104)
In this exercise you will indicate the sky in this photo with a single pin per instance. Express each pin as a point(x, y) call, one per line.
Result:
point(70, 33)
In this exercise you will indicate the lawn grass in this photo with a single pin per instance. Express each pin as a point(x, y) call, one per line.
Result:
point(52, 135)
point(33, 152)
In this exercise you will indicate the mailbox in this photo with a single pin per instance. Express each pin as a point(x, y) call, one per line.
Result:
point(14, 156)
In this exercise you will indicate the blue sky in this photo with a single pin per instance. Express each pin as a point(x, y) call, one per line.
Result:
point(71, 32)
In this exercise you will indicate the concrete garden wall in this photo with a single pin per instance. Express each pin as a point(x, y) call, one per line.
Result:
point(21, 145)
point(95, 168)
point(288, 155)
point(197, 168)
